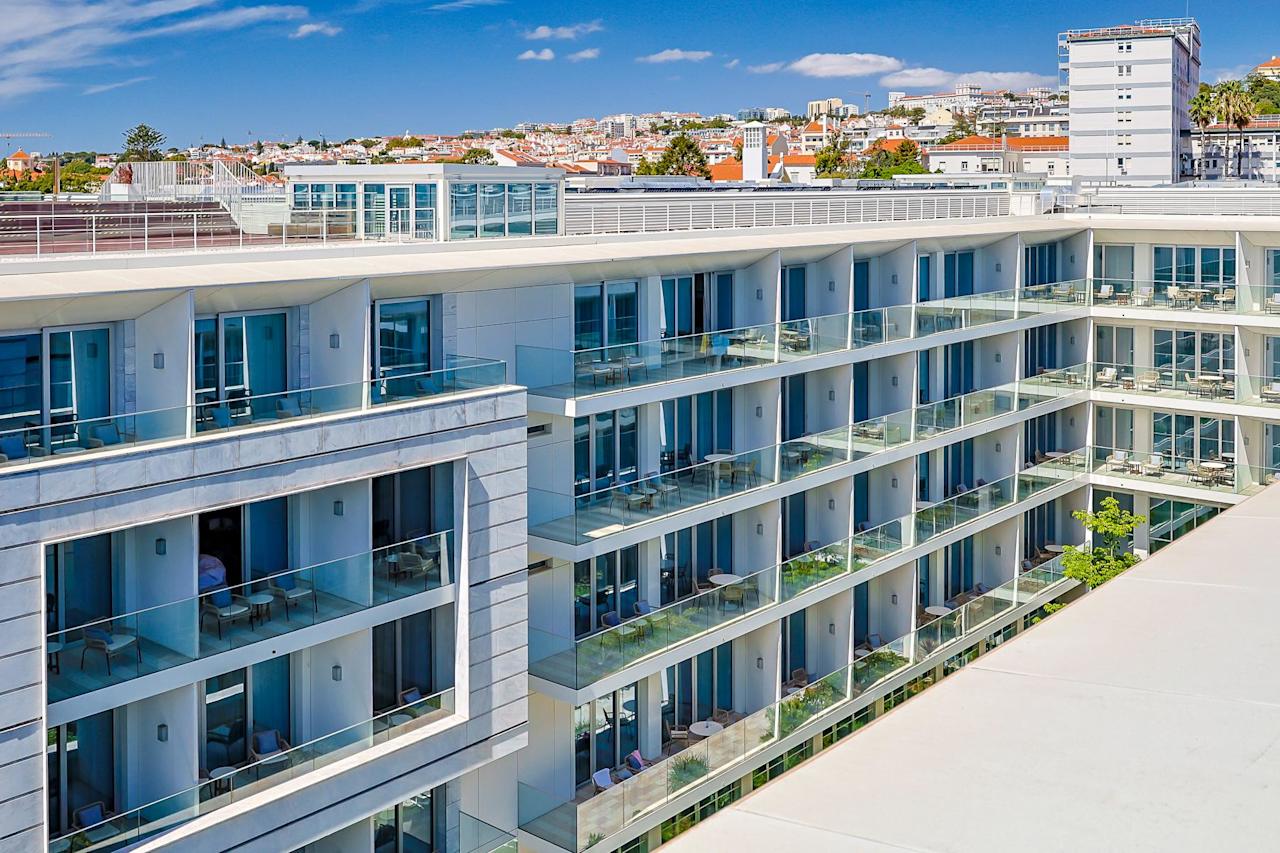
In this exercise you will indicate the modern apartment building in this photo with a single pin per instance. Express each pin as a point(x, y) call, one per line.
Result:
point(792, 456)
point(1128, 88)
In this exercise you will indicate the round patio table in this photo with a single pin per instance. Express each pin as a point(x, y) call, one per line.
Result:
point(937, 610)
point(705, 728)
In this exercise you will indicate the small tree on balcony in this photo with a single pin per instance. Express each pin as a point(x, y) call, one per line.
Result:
point(1114, 527)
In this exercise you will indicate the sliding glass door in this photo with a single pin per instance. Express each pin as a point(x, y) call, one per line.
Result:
point(402, 355)
point(59, 378)
point(241, 367)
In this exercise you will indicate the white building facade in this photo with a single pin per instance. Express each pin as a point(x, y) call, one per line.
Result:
point(1128, 90)
point(392, 542)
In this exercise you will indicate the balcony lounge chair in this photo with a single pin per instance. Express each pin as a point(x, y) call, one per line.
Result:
point(872, 642)
point(1142, 297)
point(14, 448)
point(223, 606)
point(1106, 293)
point(1106, 377)
point(100, 638)
point(266, 745)
point(1118, 461)
point(291, 590)
point(603, 780)
point(1226, 299)
point(91, 815)
point(1148, 380)
point(1177, 298)
point(107, 435)
point(1154, 467)
point(637, 762)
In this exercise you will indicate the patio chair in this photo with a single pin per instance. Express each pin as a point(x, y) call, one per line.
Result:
point(1270, 393)
point(1226, 299)
point(1177, 297)
point(1154, 467)
point(627, 495)
point(734, 594)
point(1272, 304)
point(100, 638)
point(1199, 387)
point(636, 762)
point(1106, 293)
point(1142, 297)
point(1027, 565)
point(1148, 380)
point(799, 678)
point(14, 447)
point(603, 779)
point(288, 407)
point(872, 642)
point(1118, 461)
point(747, 469)
point(107, 435)
point(220, 417)
point(267, 744)
point(1106, 377)
point(1199, 475)
point(981, 588)
point(91, 815)
point(291, 590)
point(660, 484)
point(410, 696)
point(224, 607)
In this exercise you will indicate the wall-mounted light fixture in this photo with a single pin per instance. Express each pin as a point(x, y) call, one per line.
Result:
point(997, 358)
point(997, 447)
point(337, 672)
point(997, 266)
point(831, 627)
point(831, 285)
point(1071, 259)
point(759, 529)
point(1073, 340)
point(1071, 421)
point(162, 547)
point(831, 503)
point(162, 733)
point(759, 294)
point(831, 394)
point(997, 550)
point(894, 278)
point(157, 360)
point(335, 341)
point(759, 411)
point(759, 663)
point(893, 599)
point(893, 380)
point(339, 508)
point(893, 483)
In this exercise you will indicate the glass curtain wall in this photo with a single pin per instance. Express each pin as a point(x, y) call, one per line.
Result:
point(414, 826)
point(605, 314)
point(402, 355)
point(238, 359)
point(1114, 265)
point(1189, 439)
point(605, 450)
point(78, 388)
point(81, 764)
point(695, 689)
point(404, 658)
point(411, 504)
point(689, 555)
point(694, 426)
point(694, 304)
point(247, 714)
point(607, 584)
point(1040, 264)
point(605, 732)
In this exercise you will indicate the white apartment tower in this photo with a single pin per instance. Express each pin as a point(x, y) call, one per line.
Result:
point(1129, 86)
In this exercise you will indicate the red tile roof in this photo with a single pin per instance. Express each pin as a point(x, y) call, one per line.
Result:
point(727, 170)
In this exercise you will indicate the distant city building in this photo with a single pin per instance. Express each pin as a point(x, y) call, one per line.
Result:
point(1128, 87)
point(1043, 156)
point(823, 107)
point(1270, 68)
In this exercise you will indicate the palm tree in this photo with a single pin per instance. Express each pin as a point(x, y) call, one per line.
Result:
point(1235, 107)
point(1202, 109)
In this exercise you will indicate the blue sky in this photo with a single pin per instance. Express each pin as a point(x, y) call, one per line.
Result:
point(84, 70)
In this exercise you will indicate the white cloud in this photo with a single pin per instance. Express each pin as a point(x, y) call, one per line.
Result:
point(732, 63)
point(937, 78)
point(42, 37)
point(323, 28)
point(459, 5)
point(844, 64)
point(99, 88)
point(582, 55)
point(544, 55)
point(767, 68)
point(570, 32)
point(1218, 75)
point(675, 55)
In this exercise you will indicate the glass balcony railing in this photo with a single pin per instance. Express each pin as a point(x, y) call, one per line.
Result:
point(574, 826)
point(476, 836)
point(578, 663)
point(35, 442)
point(1186, 383)
point(1171, 295)
point(589, 516)
point(91, 656)
point(129, 828)
point(569, 374)
point(1216, 473)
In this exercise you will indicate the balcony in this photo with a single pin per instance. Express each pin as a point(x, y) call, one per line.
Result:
point(565, 374)
point(587, 517)
point(111, 651)
point(1158, 468)
point(577, 825)
point(36, 442)
point(120, 831)
point(578, 663)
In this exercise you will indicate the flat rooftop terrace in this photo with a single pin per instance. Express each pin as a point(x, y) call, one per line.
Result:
point(1144, 717)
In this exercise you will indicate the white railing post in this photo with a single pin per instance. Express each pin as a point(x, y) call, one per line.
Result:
point(37, 236)
point(195, 227)
point(93, 234)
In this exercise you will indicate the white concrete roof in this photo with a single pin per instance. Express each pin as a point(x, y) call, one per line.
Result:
point(1145, 717)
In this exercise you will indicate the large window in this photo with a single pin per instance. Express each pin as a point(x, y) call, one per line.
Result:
point(1041, 264)
point(605, 450)
point(546, 209)
point(689, 555)
point(605, 314)
point(60, 378)
point(493, 210)
point(957, 274)
point(695, 689)
point(82, 772)
point(375, 210)
point(693, 304)
point(519, 209)
point(324, 196)
point(1183, 353)
point(1171, 520)
point(414, 826)
point(1188, 439)
point(402, 355)
point(502, 210)
point(1208, 267)
point(424, 211)
point(462, 211)
point(405, 660)
point(1114, 266)
point(695, 426)
point(241, 367)
point(605, 732)
point(607, 584)
point(247, 714)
